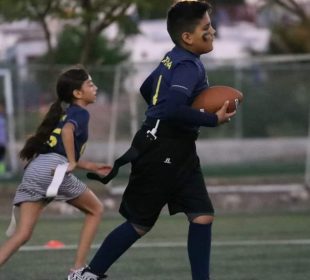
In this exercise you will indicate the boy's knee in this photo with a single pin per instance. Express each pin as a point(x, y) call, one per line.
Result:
point(200, 219)
point(141, 230)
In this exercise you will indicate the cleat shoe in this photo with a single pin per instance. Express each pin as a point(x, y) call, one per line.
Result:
point(75, 274)
point(84, 274)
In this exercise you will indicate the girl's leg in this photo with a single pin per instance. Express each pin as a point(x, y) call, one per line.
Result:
point(29, 214)
point(89, 204)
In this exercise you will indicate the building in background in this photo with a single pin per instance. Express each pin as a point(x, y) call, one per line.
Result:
point(238, 36)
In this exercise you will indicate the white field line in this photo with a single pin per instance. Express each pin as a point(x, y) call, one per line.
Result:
point(269, 188)
point(183, 244)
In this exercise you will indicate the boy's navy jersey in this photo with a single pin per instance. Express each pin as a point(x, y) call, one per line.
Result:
point(180, 73)
point(79, 117)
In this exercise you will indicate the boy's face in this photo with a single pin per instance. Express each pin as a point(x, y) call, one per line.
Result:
point(201, 40)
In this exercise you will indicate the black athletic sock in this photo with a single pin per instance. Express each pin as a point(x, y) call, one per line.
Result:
point(115, 244)
point(199, 247)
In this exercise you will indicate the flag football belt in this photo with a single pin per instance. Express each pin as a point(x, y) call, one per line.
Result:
point(169, 130)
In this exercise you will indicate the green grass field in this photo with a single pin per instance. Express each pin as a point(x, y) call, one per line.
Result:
point(257, 246)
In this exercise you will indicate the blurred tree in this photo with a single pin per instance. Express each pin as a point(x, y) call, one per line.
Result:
point(290, 33)
point(33, 10)
point(91, 16)
point(151, 9)
point(70, 45)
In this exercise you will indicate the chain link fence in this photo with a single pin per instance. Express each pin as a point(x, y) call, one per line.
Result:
point(276, 99)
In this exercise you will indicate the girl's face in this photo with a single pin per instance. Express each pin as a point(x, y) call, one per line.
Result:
point(87, 94)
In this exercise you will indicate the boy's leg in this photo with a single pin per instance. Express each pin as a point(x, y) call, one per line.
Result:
point(115, 244)
point(196, 203)
point(199, 247)
point(147, 190)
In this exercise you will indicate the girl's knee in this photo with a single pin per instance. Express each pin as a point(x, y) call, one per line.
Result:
point(23, 236)
point(97, 209)
point(92, 208)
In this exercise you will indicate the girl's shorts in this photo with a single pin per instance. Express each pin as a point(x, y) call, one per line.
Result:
point(38, 176)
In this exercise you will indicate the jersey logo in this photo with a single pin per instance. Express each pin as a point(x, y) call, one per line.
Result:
point(167, 62)
point(168, 160)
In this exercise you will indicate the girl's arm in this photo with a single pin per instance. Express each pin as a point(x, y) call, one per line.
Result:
point(100, 168)
point(67, 135)
point(68, 141)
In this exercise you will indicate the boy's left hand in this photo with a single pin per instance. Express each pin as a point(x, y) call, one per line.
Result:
point(222, 114)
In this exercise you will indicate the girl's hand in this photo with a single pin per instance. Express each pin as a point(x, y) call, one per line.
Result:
point(100, 168)
point(103, 169)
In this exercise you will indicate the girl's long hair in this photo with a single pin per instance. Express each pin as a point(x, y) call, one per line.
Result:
point(67, 82)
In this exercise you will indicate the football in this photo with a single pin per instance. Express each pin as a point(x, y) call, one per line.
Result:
point(213, 98)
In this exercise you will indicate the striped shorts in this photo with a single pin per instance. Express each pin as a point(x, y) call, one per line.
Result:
point(38, 176)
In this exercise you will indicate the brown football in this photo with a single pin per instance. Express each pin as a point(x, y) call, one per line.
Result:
point(213, 98)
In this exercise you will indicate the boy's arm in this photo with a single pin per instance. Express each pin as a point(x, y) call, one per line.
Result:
point(177, 106)
point(178, 110)
point(146, 89)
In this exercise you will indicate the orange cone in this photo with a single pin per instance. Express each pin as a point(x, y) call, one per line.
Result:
point(54, 244)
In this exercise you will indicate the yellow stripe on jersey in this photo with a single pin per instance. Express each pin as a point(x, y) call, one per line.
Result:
point(155, 97)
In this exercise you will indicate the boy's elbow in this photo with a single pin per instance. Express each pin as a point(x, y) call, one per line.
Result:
point(170, 114)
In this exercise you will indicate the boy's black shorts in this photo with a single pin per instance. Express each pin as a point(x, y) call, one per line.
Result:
point(167, 173)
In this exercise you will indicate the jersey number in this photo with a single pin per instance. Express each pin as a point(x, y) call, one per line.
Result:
point(52, 142)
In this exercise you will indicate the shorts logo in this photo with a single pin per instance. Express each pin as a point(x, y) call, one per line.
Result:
point(168, 160)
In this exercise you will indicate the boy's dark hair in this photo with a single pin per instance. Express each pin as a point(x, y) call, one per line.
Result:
point(67, 82)
point(184, 17)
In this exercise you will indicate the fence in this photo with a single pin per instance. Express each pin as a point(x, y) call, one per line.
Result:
point(276, 99)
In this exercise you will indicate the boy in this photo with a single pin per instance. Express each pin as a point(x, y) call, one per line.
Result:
point(167, 169)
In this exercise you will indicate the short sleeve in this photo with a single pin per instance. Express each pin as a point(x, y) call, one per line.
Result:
point(79, 119)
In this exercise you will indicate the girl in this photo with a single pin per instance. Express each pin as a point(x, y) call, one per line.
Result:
point(60, 139)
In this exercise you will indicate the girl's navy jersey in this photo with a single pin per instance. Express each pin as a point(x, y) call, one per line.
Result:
point(79, 117)
point(179, 71)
